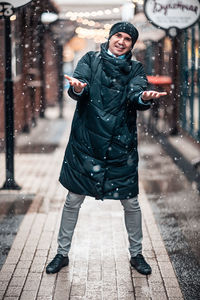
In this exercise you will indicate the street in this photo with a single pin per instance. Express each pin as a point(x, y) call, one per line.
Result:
point(176, 206)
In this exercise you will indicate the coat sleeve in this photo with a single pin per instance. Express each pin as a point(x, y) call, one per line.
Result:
point(82, 73)
point(136, 86)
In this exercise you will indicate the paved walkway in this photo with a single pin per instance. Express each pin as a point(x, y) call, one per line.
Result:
point(99, 260)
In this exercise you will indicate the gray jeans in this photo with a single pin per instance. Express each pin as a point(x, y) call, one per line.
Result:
point(132, 217)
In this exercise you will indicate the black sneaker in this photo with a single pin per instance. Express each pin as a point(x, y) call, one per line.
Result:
point(57, 263)
point(140, 264)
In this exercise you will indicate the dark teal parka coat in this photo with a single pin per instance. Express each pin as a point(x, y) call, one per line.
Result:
point(101, 158)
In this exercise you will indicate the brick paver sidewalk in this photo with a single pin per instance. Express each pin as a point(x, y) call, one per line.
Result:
point(99, 260)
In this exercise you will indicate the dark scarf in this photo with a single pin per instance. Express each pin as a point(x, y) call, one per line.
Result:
point(116, 71)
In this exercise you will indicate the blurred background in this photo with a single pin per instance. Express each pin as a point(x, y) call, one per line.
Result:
point(48, 37)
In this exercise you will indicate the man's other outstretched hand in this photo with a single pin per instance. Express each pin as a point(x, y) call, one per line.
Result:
point(148, 95)
point(77, 84)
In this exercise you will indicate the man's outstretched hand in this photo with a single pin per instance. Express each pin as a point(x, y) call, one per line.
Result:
point(78, 85)
point(148, 95)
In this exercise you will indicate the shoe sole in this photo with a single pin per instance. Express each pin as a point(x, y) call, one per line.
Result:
point(140, 271)
point(65, 265)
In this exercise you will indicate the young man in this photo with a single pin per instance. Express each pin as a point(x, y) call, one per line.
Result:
point(101, 158)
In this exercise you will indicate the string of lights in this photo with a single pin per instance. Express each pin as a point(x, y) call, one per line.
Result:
point(74, 15)
point(99, 35)
point(140, 2)
point(99, 31)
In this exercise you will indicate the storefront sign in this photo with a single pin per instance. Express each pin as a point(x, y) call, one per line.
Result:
point(15, 3)
point(6, 9)
point(168, 14)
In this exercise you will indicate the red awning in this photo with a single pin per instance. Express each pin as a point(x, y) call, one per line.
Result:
point(159, 80)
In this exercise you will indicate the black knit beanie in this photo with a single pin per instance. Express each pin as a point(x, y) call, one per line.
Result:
point(124, 27)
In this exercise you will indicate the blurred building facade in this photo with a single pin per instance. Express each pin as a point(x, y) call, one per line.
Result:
point(35, 65)
point(39, 50)
point(179, 112)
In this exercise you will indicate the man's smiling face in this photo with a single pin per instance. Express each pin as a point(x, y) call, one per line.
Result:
point(120, 43)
